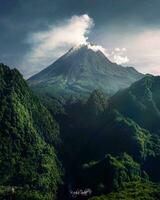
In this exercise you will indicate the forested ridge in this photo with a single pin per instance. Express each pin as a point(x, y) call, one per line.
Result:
point(50, 149)
point(28, 163)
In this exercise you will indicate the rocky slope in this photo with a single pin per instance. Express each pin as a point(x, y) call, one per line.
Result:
point(80, 71)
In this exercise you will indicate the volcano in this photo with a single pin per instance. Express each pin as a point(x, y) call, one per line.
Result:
point(80, 71)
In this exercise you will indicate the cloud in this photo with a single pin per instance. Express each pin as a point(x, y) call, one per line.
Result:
point(49, 45)
point(98, 48)
point(94, 47)
point(142, 46)
point(145, 51)
point(118, 55)
point(120, 59)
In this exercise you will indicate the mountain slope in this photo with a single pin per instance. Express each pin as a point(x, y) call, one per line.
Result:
point(90, 131)
point(132, 191)
point(80, 71)
point(28, 163)
point(141, 102)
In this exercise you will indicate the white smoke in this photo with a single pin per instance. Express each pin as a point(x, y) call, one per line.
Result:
point(118, 55)
point(98, 48)
point(49, 45)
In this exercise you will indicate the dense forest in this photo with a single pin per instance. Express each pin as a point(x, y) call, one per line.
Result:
point(29, 167)
point(97, 148)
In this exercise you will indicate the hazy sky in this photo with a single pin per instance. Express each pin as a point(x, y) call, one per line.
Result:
point(34, 33)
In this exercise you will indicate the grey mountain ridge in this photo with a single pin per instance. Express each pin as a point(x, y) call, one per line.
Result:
point(80, 71)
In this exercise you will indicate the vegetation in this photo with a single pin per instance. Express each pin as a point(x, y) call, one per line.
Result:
point(110, 146)
point(111, 173)
point(140, 102)
point(103, 149)
point(28, 133)
point(133, 190)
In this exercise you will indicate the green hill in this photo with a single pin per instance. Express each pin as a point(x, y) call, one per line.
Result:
point(141, 102)
point(132, 191)
point(29, 166)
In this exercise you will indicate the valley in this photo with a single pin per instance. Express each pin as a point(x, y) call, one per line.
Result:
point(67, 133)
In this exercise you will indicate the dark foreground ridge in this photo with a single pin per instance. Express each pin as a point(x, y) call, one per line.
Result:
point(96, 148)
point(28, 134)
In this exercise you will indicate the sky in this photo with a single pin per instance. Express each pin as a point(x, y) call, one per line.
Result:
point(34, 33)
